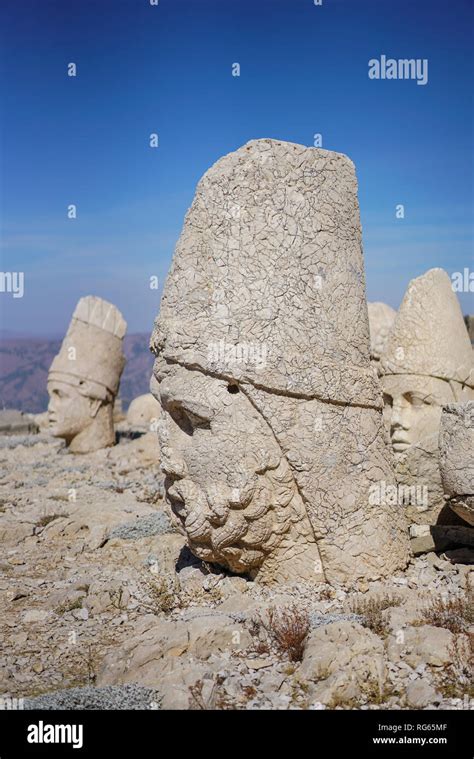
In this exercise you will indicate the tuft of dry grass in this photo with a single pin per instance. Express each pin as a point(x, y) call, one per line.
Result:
point(370, 609)
point(286, 628)
point(196, 697)
point(89, 660)
point(47, 519)
point(456, 679)
point(455, 614)
point(215, 699)
point(69, 606)
point(164, 595)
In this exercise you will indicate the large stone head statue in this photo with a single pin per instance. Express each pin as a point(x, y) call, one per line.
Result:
point(427, 363)
point(84, 377)
point(271, 433)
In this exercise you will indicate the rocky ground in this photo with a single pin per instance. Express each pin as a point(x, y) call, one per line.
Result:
point(102, 606)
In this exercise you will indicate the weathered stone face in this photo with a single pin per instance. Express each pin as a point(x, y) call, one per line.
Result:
point(228, 482)
point(271, 410)
point(427, 363)
point(413, 410)
point(84, 377)
point(69, 412)
point(456, 448)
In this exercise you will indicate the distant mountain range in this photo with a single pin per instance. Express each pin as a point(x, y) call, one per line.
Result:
point(24, 364)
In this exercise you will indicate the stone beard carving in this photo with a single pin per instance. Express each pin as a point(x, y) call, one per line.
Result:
point(456, 458)
point(381, 318)
point(84, 377)
point(227, 480)
point(271, 428)
point(427, 363)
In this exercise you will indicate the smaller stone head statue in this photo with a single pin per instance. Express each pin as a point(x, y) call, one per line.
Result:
point(84, 377)
point(427, 363)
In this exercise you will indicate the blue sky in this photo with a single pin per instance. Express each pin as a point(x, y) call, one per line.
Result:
point(167, 69)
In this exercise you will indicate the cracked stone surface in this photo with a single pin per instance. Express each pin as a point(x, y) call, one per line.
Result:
point(271, 431)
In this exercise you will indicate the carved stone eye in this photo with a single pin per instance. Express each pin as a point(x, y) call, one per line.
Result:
point(181, 419)
point(232, 389)
point(186, 420)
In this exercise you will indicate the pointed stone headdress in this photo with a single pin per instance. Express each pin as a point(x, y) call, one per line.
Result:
point(270, 248)
point(429, 337)
point(91, 355)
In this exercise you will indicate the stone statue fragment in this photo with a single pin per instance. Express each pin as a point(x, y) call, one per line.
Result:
point(456, 447)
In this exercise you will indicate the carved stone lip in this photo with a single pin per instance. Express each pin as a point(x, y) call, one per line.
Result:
point(400, 445)
point(399, 435)
point(400, 440)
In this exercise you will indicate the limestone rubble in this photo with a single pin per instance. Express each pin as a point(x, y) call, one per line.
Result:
point(81, 610)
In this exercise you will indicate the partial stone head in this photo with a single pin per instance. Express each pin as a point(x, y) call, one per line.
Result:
point(84, 377)
point(143, 413)
point(428, 360)
point(271, 431)
point(381, 318)
point(413, 409)
point(456, 459)
point(427, 363)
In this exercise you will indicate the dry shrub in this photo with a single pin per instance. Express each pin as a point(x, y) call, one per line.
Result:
point(196, 697)
point(456, 679)
point(69, 606)
point(217, 698)
point(285, 628)
point(163, 594)
point(47, 519)
point(370, 609)
point(455, 614)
